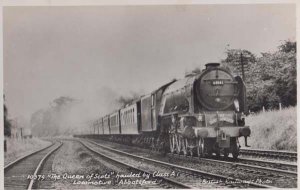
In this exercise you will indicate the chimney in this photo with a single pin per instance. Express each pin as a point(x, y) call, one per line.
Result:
point(211, 65)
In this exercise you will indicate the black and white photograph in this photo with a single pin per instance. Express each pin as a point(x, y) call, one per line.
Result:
point(149, 96)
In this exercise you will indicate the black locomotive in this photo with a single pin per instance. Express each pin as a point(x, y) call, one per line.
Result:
point(201, 114)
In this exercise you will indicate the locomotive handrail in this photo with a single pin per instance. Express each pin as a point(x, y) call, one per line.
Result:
point(217, 79)
point(232, 82)
point(222, 95)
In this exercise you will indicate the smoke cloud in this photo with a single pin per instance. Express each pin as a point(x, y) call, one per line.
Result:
point(68, 115)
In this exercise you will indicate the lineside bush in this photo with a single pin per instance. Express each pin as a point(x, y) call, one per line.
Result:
point(274, 130)
point(17, 148)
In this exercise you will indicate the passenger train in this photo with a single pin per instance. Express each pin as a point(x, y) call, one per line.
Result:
point(202, 114)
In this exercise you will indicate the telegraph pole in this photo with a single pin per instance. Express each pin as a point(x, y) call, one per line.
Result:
point(243, 71)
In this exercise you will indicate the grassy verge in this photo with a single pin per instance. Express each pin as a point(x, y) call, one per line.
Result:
point(274, 130)
point(17, 148)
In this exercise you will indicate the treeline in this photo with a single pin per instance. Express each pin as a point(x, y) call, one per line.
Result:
point(7, 124)
point(270, 78)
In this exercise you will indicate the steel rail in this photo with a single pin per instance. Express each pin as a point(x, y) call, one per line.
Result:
point(271, 163)
point(40, 165)
point(248, 165)
point(269, 153)
point(199, 172)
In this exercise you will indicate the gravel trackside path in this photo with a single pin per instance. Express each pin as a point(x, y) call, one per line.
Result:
point(75, 167)
point(72, 164)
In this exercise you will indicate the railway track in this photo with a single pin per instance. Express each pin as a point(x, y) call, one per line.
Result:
point(162, 183)
point(275, 173)
point(285, 175)
point(279, 167)
point(270, 154)
point(276, 166)
point(24, 172)
point(185, 176)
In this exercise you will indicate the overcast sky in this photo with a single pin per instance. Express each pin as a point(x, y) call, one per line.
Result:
point(83, 51)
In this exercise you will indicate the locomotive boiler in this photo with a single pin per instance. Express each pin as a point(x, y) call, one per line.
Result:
point(202, 114)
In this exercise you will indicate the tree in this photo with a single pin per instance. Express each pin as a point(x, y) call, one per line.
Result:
point(236, 57)
point(286, 78)
point(279, 70)
point(271, 78)
point(288, 46)
point(7, 124)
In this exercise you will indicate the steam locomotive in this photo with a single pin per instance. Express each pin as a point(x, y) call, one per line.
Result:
point(202, 114)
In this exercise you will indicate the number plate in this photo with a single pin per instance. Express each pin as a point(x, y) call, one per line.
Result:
point(217, 82)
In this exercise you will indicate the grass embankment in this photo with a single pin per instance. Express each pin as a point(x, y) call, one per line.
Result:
point(274, 130)
point(17, 148)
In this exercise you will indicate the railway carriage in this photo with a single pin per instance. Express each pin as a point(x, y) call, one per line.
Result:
point(95, 127)
point(106, 128)
point(91, 129)
point(147, 114)
point(130, 119)
point(114, 123)
point(100, 126)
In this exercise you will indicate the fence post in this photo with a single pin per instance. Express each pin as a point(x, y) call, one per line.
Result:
point(5, 146)
point(279, 106)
